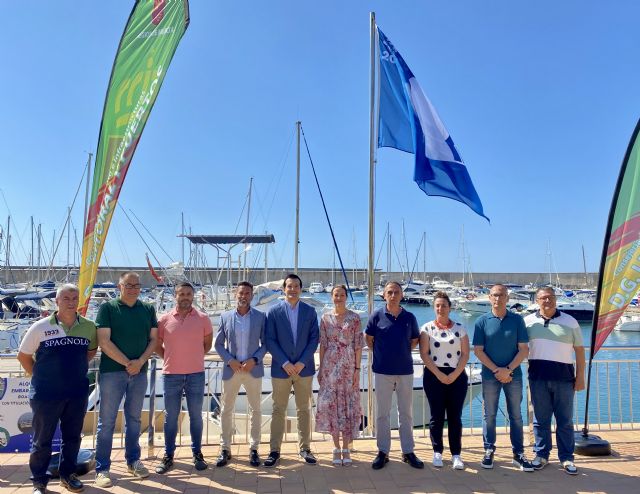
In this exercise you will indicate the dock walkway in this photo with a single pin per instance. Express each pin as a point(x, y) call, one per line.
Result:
point(616, 474)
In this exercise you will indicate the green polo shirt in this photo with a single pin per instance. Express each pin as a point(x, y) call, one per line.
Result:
point(130, 330)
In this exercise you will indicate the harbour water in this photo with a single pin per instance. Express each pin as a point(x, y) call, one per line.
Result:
point(615, 385)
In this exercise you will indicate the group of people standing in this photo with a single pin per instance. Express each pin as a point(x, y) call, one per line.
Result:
point(56, 351)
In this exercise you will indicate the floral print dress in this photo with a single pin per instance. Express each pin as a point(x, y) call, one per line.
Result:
point(338, 407)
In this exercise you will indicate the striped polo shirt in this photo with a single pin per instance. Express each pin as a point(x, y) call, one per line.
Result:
point(551, 343)
point(60, 354)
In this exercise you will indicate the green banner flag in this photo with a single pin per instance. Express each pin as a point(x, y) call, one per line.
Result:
point(148, 44)
point(620, 263)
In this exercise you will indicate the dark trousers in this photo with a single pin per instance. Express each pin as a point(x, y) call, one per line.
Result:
point(449, 399)
point(46, 414)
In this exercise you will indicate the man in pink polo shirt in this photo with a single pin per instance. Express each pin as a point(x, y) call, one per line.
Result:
point(184, 336)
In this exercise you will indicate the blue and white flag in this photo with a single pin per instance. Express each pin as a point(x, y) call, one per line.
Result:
point(409, 122)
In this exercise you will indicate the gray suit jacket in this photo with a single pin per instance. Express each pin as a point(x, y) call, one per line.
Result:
point(225, 343)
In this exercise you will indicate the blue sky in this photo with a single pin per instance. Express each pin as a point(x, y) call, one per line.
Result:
point(540, 98)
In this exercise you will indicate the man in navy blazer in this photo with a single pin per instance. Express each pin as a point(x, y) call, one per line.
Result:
point(241, 344)
point(292, 336)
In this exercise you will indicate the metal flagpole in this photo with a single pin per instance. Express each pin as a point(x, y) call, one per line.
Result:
point(372, 176)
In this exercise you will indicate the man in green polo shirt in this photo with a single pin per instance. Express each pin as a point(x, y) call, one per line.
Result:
point(127, 334)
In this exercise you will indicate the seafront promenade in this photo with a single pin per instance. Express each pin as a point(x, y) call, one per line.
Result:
point(619, 473)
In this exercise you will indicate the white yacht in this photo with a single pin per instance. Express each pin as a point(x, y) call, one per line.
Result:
point(316, 287)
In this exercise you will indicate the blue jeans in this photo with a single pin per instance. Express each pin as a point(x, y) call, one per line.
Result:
point(553, 398)
point(193, 387)
point(46, 413)
point(113, 387)
point(513, 395)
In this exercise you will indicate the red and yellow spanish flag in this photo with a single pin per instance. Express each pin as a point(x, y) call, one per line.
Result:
point(148, 44)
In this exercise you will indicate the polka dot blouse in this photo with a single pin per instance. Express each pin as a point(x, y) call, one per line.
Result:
point(444, 344)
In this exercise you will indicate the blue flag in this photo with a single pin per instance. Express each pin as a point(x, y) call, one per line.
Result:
point(409, 122)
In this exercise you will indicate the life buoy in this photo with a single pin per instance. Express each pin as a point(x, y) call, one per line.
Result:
point(470, 296)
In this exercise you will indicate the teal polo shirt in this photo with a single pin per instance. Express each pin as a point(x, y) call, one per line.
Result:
point(500, 338)
point(130, 330)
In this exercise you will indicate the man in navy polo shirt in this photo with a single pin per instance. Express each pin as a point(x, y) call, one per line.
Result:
point(56, 351)
point(500, 343)
point(392, 333)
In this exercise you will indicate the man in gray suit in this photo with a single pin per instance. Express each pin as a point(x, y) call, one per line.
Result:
point(292, 336)
point(240, 343)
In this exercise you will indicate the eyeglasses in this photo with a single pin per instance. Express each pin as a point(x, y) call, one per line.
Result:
point(497, 295)
point(129, 286)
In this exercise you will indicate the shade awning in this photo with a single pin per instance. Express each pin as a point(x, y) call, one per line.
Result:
point(230, 239)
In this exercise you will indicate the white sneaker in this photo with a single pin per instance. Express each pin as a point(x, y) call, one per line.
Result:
point(458, 464)
point(103, 479)
point(138, 469)
point(437, 460)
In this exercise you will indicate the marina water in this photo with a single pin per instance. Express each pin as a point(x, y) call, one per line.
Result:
point(614, 386)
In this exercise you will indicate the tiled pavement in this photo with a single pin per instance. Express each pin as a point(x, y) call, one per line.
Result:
point(619, 473)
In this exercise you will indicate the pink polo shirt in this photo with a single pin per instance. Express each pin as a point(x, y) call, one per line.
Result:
point(183, 341)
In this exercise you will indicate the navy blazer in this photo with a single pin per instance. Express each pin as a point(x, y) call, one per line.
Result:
point(226, 341)
point(280, 339)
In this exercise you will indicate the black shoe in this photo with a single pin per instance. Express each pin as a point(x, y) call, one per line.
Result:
point(272, 459)
point(254, 458)
point(165, 464)
point(487, 459)
point(521, 461)
point(224, 458)
point(199, 463)
point(72, 483)
point(412, 460)
point(307, 456)
point(380, 461)
point(39, 489)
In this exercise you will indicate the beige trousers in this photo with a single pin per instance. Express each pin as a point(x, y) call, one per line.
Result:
point(230, 388)
point(281, 391)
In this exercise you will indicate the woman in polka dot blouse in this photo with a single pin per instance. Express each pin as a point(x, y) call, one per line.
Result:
point(444, 348)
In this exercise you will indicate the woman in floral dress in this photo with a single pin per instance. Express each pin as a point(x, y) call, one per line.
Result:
point(338, 408)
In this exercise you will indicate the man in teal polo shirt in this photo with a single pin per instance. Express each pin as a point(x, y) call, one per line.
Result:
point(55, 351)
point(500, 343)
point(127, 334)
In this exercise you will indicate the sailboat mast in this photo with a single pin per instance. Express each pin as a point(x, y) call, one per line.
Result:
point(182, 221)
point(297, 239)
point(39, 247)
point(424, 258)
point(68, 240)
point(266, 268)
point(584, 266)
point(7, 245)
point(86, 194)
point(246, 230)
point(31, 278)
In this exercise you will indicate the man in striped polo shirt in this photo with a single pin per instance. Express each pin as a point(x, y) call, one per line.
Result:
point(56, 351)
point(553, 339)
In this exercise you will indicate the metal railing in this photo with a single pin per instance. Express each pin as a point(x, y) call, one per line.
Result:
point(615, 382)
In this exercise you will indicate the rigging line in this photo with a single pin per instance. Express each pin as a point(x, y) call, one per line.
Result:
point(246, 201)
point(151, 235)
point(140, 235)
point(415, 262)
point(393, 244)
point(326, 213)
point(381, 247)
point(67, 219)
point(277, 185)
